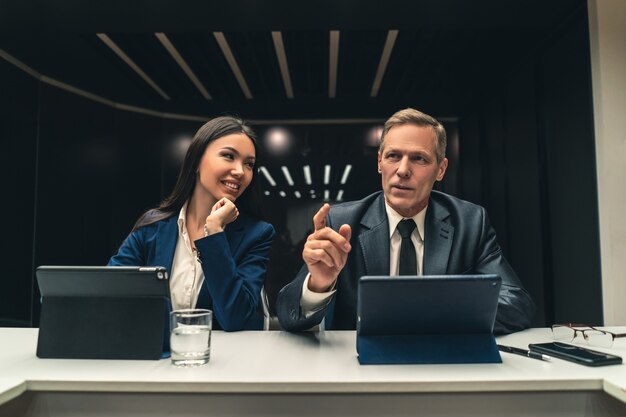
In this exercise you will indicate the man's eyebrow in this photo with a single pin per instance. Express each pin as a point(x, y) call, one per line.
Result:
point(391, 150)
point(410, 152)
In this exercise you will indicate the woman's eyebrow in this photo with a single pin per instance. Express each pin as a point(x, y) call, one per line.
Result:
point(235, 151)
point(230, 148)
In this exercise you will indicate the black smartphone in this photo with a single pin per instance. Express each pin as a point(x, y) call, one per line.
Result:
point(576, 354)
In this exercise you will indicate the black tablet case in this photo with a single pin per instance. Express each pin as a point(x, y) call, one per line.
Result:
point(103, 312)
point(427, 319)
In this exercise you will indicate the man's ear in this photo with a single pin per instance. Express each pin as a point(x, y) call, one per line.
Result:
point(379, 170)
point(442, 169)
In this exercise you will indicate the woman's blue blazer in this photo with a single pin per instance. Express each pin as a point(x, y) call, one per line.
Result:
point(234, 263)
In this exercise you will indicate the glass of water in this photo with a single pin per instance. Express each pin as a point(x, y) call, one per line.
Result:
point(190, 337)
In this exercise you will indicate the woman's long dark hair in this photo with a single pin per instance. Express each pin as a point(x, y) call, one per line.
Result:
point(248, 202)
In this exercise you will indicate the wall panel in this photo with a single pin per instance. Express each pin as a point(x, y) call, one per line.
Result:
point(571, 173)
point(524, 187)
point(18, 168)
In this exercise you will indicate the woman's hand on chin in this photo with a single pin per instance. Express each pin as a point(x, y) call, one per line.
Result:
point(222, 213)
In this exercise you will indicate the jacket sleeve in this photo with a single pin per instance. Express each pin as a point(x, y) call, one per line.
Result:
point(288, 309)
point(131, 253)
point(235, 286)
point(515, 307)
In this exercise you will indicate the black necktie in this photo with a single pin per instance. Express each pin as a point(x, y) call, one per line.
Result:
point(408, 259)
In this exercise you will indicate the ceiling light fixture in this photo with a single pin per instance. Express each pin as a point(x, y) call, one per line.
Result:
point(267, 175)
point(118, 51)
point(307, 174)
point(346, 172)
point(384, 60)
point(277, 37)
point(374, 136)
point(333, 63)
point(287, 175)
point(326, 195)
point(340, 195)
point(282, 194)
point(232, 62)
point(326, 174)
point(297, 194)
point(183, 65)
point(278, 140)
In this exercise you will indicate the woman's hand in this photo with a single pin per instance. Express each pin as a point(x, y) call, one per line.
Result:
point(222, 213)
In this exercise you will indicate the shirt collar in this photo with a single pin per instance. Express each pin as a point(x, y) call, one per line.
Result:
point(394, 218)
point(182, 216)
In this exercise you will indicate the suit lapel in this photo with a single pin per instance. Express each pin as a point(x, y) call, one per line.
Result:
point(374, 239)
point(438, 240)
point(166, 238)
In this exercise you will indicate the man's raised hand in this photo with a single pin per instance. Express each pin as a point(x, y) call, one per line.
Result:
point(326, 251)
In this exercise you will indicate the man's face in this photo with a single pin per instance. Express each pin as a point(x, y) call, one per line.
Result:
point(409, 168)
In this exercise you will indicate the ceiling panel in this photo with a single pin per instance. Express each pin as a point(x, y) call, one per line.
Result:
point(447, 52)
point(359, 55)
point(255, 54)
point(307, 54)
point(148, 53)
point(79, 16)
point(207, 61)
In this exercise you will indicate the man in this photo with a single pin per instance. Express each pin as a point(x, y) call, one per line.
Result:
point(406, 229)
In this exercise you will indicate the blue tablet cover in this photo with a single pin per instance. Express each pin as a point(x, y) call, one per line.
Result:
point(427, 319)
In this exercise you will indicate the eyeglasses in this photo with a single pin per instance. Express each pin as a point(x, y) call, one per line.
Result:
point(568, 332)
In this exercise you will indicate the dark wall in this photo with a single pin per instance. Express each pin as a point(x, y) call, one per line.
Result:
point(527, 155)
point(571, 176)
point(100, 168)
point(76, 175)
point(18, 168)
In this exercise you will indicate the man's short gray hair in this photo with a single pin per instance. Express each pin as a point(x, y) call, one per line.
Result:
point(412, 116)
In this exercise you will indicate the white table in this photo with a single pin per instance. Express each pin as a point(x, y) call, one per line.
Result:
point(278, 373)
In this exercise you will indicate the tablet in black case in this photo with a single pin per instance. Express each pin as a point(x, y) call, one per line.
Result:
point(102, 312)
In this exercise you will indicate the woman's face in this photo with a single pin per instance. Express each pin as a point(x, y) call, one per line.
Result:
point(227, 166)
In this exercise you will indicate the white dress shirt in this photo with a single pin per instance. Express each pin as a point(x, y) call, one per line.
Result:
point(310, 302)
point(186, 277)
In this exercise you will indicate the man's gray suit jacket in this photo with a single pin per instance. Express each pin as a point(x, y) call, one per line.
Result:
point(458, 240)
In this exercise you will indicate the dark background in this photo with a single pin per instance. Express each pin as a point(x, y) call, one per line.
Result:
point(511, 82)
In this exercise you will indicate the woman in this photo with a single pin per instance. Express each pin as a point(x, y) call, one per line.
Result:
point(216, 256)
